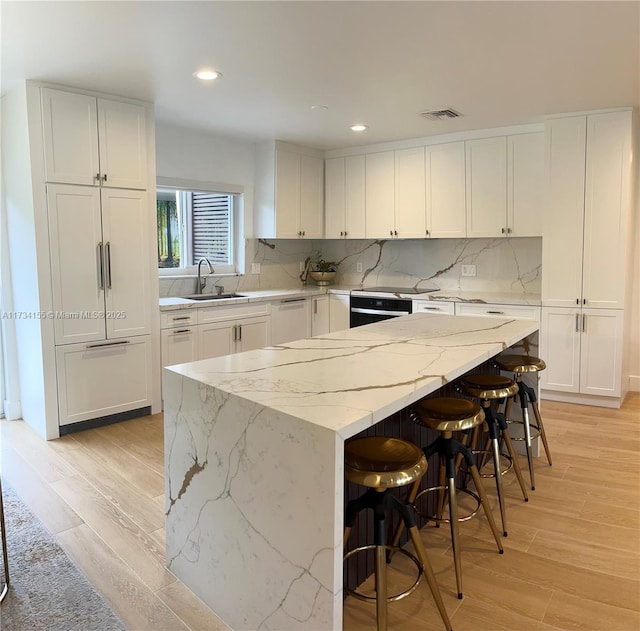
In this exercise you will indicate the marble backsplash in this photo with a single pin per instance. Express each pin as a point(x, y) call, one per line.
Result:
point(502, 265)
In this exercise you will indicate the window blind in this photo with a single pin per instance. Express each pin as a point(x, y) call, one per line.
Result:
point(210, 227)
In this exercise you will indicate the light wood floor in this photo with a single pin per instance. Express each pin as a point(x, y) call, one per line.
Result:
point(571, 562)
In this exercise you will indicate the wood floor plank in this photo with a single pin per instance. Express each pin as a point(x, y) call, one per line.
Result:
point(132, 600)
point(190, 609)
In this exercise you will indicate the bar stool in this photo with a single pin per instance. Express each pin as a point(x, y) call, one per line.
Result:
point(5, 559)
point(447, 415)
point(519, 364)
point(380, 464)
point(490, 388)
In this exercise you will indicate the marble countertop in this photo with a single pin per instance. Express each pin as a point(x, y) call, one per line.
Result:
point(479, 297)
point(349, 380)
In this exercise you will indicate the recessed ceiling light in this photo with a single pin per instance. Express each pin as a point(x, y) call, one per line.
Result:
point(207, 75)
point(359, 127)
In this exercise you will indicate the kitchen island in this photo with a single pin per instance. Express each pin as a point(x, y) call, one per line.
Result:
point(254, 457)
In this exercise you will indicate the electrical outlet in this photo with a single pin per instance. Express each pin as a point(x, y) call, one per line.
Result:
point(255, 268)
point(358, 266)
point(468, 270)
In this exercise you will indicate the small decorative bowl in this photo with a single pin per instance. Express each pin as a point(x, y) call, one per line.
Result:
point(322, 278)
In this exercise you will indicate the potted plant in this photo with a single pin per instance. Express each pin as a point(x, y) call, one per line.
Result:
point(322, 271)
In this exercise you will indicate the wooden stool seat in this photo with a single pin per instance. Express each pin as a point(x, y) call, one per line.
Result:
point(520, 363)
point(380, 464)
point(489, 387)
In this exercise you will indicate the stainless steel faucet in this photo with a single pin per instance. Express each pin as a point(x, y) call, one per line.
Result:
point(201, 283)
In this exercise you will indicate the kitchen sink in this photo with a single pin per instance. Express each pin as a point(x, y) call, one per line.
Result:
point(211, 296)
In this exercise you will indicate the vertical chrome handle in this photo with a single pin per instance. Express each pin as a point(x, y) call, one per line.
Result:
point(584, 322)
point(315, 305)
point(104, 177)
point(107, 258)
point(577, 323)
point(239, 332)
point(100, 266)
point(235, 332)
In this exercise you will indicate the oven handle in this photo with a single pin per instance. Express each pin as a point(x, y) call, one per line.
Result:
point(378, 312)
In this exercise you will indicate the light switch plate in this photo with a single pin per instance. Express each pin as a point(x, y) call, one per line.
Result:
point(255, 268)
point(468, 270)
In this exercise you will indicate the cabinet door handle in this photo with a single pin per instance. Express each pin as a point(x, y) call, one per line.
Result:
point(315, 306)
point(107, 257)
point(104, 177)
point(427, 232)
point(100, 266)
point(502, 230)
point(584, 301)
point(508, 230)
point(577, 301)
point(239, 332)
point(390, 233)
point(235, 332)
point(345, 233)
point(584, 322)
point(98, 179)
point(181, 331)
point(395, 233)
point(577, 323)
point(118, 343)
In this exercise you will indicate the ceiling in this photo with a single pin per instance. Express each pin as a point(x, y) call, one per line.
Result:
point(380, 63)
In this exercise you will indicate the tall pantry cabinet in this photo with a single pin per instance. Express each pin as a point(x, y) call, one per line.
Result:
point(586, 257)
point(90, 167)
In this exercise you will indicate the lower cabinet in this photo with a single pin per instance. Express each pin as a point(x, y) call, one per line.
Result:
point(98, 379)
point(583, 350)
point(290, 320)
point(179, 345)
point(225, 338)
point(339, 312)
point(320, 315)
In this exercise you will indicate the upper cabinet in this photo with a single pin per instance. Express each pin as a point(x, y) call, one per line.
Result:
point(93, 141)
point(395, 194)
point(486, 163)
point(445, 190)
point(586, 223)
point(344, 196)
point(289, 192)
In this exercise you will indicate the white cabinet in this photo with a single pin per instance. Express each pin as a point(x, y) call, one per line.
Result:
point(525, 184)
point(585, 251)
point(445, 190)
point(320, 315)
point(226, 338)
point(179, 345)
point(380, 195)
point(291, 320)
point(583, 350)
point(433, 306)
point(514, 312)
point(395, 194)
point(93, 141)
point(339, 312)
point(103, 378)
point(289, 192)
point(586, 223)
point(99, 263)
point(486, 177)
point(344, 198)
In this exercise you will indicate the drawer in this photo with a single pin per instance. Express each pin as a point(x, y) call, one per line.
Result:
point(233, 312)
point(180, 317)
point(433, 306)
point(515, 312)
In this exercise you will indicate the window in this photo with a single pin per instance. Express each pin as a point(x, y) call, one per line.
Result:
point(195, 224)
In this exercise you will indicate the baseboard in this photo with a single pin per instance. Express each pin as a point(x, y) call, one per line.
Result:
point(581, 399)
point(634, 383)
point(12, 410)
point(104, 420)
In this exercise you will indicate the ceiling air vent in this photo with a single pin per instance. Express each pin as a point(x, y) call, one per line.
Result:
point(439, 115)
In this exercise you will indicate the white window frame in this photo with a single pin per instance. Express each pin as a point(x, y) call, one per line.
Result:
point(179, 184)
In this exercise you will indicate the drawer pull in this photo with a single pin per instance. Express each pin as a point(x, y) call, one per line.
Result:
point(293, 300)
point(181, 331)
point(496, 312)
point(118, 343)
point(181, 318)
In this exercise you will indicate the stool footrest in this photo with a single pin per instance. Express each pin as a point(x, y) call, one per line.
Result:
point(534, 429)
point(443, 520)
point(395, 597)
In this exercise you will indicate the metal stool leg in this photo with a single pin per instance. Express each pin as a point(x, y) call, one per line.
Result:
point(524, 406)
point(536, 413)
point(379, 538)
point(5, 556)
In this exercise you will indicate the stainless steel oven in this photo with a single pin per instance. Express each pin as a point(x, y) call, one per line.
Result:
point(380, 303)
